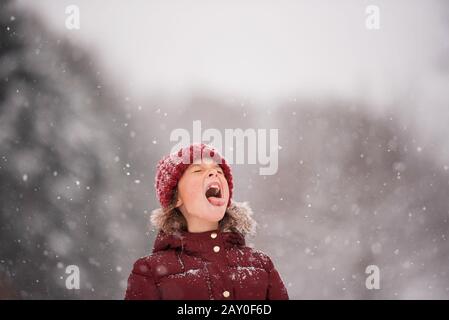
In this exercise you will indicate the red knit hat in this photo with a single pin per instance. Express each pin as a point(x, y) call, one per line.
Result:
point(171, 167)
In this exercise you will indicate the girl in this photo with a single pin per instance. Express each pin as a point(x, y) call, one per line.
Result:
point(200, 252)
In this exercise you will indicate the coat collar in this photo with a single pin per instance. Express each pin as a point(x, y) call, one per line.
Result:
point(238, 218)
point(197, 243)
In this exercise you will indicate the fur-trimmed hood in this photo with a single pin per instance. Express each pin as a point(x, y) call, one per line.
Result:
point(237, 218)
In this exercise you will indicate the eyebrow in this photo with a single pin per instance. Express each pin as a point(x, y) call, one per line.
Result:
point(195, 165)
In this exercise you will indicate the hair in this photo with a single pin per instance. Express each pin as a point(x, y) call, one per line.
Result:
point(173, 219)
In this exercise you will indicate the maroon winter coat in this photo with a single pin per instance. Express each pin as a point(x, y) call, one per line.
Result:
point(208, 265)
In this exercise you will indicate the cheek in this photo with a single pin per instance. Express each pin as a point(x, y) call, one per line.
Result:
point(190, 189)
point(224, 183)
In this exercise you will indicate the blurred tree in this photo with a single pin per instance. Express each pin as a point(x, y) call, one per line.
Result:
point(62, 147)
point(357, 188)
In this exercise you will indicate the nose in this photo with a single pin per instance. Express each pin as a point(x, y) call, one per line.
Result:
point(213, 172)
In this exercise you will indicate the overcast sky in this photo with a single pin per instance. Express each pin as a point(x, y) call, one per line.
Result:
point(259, 49)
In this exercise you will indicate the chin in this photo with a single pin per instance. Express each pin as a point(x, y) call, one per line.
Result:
point(218, 217)
point(210, 212)
point(214, 214)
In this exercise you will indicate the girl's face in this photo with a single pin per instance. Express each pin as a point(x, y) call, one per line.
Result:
point(203, 195)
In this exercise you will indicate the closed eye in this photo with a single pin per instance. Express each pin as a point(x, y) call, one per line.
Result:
point(219, 170)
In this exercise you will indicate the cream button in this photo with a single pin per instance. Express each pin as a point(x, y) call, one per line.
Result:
point(216, 248)
point(213, 235)
point(226, 294)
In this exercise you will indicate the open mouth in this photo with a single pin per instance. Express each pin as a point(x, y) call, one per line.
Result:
point(214, 195)
point(213, 191)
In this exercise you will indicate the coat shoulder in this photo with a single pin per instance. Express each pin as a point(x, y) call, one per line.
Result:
point(253, 257)
point(158, 264)
point(263, 258)
point(142, 266)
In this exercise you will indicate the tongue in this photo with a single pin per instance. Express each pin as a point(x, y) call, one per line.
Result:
point(216, 201)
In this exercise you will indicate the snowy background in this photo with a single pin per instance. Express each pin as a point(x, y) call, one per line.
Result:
point(363, 124)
